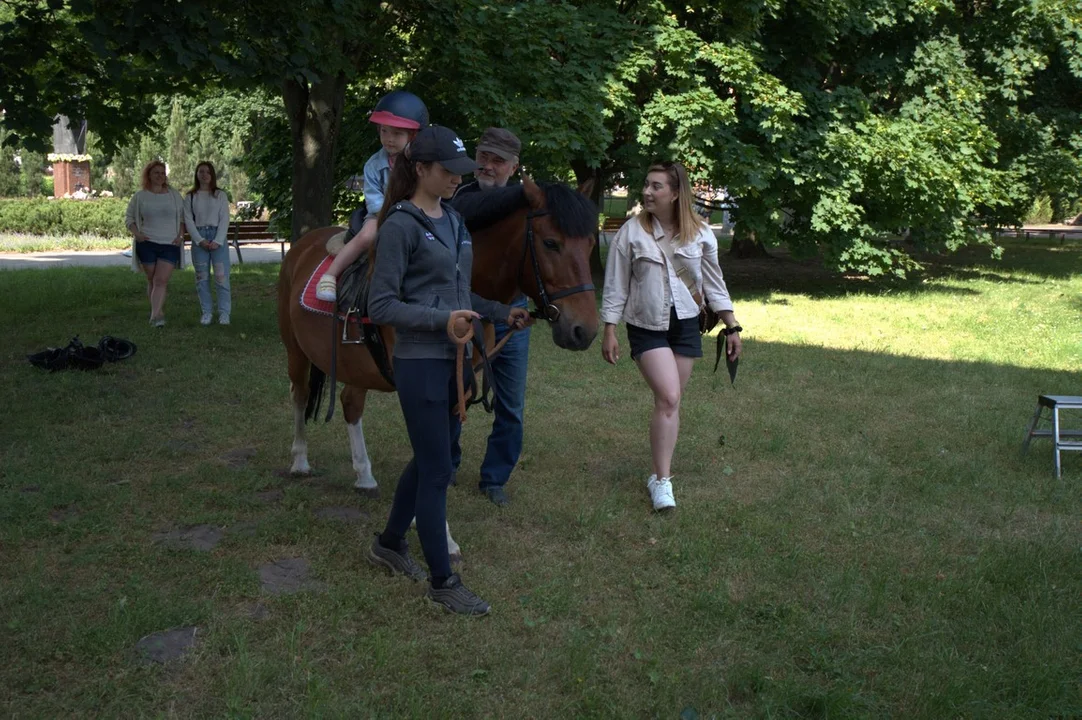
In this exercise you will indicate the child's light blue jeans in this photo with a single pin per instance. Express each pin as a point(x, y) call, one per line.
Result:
point(202, 260)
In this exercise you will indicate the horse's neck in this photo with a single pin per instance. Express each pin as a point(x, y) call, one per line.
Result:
point(497, 258)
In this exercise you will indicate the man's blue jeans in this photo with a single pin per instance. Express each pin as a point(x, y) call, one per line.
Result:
point(505, 441)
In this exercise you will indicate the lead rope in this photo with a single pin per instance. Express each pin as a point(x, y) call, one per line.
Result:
point(460, 357)
point(461, 341)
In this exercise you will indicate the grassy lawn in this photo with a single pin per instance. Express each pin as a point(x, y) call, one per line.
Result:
point(856, 535)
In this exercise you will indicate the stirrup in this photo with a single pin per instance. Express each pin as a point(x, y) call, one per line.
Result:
point(346, 339)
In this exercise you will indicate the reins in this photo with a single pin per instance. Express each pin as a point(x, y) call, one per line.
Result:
point(545, 310)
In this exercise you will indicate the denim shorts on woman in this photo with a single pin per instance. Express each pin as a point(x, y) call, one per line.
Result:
point(682, 338)
point(151, 252)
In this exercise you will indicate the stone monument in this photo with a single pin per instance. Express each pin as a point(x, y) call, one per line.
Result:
point(71, 164)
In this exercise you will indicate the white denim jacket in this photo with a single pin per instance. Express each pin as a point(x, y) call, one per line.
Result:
point(637, 280)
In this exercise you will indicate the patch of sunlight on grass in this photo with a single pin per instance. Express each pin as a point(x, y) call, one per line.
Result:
point(1028, 327)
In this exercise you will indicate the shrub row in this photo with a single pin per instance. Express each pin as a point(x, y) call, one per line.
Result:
point(41, 216)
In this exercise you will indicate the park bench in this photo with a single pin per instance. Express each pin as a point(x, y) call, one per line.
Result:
point(251, 232)
point(612, 224)
point(1050, 232)
point(244, 232)
point(706, 207)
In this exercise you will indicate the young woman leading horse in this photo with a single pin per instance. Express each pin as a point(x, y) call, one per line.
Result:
point(541, 249)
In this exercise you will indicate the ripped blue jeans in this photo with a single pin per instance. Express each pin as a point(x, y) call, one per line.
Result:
point(202, 260)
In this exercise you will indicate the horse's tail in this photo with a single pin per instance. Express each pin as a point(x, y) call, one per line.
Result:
point(316, 383)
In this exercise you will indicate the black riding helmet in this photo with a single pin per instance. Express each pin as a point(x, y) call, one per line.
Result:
point(400, 109)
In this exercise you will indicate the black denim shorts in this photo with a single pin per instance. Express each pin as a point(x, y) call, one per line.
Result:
point(151, 252)
point(682, 338)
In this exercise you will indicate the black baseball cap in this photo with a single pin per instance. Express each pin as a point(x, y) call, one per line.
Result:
point(439, 144)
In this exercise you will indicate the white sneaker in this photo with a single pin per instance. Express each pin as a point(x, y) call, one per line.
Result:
point(205, 319)
point(223, 319)
point(661, 492)
point(327, 289)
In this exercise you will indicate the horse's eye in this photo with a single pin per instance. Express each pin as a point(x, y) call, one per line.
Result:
point(551, 244)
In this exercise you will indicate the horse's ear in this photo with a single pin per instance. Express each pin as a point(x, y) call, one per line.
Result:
point(534, 195)
point(587, 187)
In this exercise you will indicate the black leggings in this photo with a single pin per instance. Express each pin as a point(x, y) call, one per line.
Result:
point(427, 392)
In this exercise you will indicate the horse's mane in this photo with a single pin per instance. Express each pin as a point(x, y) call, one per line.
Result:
point(574, 214)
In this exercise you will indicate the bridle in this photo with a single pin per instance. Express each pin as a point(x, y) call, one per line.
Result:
point(545, 310)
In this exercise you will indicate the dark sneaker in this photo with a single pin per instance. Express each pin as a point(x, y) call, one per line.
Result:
point(457, 598)
point(397, 562)
point(497, 496)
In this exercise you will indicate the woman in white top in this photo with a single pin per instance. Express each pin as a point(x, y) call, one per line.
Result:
point(206, 214)
point(155, 218)
point(661, 266)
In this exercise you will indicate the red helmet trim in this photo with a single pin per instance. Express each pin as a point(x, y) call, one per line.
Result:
point(382, 117)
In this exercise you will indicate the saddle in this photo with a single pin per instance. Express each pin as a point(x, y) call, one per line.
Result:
point(353, 287)
point(352, 312)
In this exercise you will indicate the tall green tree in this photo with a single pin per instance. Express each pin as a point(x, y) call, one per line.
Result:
point(106, 60)
point(9, 168)
point(178, 148)
point(836, 125)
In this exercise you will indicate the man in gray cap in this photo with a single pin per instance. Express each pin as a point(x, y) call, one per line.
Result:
point(485, 200)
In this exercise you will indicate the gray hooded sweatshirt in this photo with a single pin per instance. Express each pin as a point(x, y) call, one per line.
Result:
point(418, 279)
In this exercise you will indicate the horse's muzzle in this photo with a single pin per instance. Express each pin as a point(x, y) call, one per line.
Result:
point(571, 334)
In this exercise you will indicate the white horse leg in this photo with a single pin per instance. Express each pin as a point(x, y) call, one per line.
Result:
point(452, 547)
point(299, 450)
point(366, 482)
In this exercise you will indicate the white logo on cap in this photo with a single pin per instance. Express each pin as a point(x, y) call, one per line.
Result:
point(460, 145)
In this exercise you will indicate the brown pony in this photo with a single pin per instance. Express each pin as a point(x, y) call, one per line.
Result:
point(542, 250)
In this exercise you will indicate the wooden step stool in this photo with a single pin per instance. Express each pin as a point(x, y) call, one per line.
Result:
point(1055, 403)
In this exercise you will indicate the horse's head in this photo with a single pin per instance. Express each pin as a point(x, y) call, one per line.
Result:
point(555, 272)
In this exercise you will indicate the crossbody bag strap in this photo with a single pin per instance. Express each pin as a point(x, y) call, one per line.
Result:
point(681, 271)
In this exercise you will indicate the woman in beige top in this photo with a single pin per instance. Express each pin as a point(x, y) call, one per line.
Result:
point(662, 267)
point(155, 218)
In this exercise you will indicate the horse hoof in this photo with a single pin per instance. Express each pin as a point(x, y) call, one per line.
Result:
point(457, 561)
point(367, 492)
point(300, 473)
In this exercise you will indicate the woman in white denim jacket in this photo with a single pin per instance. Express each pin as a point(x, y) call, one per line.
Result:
point(661, 266)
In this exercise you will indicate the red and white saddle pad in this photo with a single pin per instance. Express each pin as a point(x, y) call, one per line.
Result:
point(310, 302)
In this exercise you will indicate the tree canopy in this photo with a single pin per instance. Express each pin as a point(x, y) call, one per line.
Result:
point(834, 125)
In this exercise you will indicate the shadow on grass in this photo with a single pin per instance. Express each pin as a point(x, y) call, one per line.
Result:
point(875, 548)
point(1024, 262)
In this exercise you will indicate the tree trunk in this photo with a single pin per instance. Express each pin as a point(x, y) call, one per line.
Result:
point(746, 244)
point(1059, 209)
point(315, 116)
point(597, 176)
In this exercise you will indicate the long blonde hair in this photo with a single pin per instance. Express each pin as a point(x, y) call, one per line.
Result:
point(688, 222)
